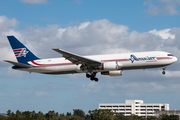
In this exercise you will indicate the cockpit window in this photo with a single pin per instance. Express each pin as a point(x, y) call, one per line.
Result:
point(170, 55)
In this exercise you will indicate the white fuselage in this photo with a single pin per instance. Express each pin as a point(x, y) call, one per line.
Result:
point(125, 61)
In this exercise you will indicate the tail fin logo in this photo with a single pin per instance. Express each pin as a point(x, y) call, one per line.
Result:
point(20, 52)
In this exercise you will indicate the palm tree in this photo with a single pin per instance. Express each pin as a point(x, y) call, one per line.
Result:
point(33, 114)
point(9, 112)
point(18, 113)
point(89, 113)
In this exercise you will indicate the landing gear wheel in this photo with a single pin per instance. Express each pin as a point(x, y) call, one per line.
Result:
point(96, 79)
point(88, 75)
point(163, 72)
point(92, 76)
point(164, 68)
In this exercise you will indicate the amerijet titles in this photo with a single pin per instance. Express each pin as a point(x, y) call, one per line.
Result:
point(134, 58)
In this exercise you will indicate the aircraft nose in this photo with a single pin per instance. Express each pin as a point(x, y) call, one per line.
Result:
point(175, 59)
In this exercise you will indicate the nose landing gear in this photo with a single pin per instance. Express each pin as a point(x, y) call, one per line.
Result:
point(163, 72)
point(92, 76)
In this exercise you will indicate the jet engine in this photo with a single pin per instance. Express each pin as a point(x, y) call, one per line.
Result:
point(110, 66)
point(112, 73)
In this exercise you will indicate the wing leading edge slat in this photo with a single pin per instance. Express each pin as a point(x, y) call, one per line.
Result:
point(77, 59)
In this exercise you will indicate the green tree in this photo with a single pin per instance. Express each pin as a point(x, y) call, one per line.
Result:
point(120, 116)
point(78, 112)
point(9, 112)
point(153, 118)
point(90, 115)
point(101, 114)
point(173, 117)
point(40, 116)
point(62, 115)
point(57, 115)
point(18, 113)
point(33, 114)
point(164, 117)
point(13, 114)
point(27, 114)
point(68, 114)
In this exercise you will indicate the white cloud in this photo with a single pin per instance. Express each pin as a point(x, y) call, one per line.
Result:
point(51, 86)
point(91, 87)
point(172, 74)
point(34, 1)
point(31, 94)
point(97, 37)
point(165, 7)
point(164, 34)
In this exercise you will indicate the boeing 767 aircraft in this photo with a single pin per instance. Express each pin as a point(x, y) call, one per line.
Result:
point(112, 64)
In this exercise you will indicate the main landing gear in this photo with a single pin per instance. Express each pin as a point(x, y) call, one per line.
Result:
point(163, 72)
point(92, 76)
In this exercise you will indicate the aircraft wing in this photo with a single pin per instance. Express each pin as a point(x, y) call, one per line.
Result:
point(18, 64)
point(77, 59)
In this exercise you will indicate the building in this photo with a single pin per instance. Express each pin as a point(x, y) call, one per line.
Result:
point(136, 107)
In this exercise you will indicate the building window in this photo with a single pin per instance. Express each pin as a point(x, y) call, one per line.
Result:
point(142, 109)
point(122, 113)
point(102, 106)
point(149, 110)
point(128, 106)
point(149, 106)
point(115, 106)
point(128, 109)
point(115, 109)
point(156, 106)
point(108, 106)
point(122, 109)
point(121, 106)
point(128, 112)
point(137, 103)
point(156, 109)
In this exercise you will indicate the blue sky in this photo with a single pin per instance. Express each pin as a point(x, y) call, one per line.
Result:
point(88, 27)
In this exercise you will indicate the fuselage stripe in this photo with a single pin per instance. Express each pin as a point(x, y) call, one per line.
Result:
point(159, 58)
point(51, 64)
point(117, 60)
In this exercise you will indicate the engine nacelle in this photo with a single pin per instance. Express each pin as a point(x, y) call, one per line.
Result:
point(110, 66)
point(112, 73)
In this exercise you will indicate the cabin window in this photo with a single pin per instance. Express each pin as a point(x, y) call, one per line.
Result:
point(170, 55)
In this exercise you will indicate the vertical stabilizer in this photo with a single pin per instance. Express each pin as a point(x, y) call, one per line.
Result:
point(21, 52)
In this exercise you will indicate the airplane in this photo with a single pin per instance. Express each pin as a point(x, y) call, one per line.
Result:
point(70, 63)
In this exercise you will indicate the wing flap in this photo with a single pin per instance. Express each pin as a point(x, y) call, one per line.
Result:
point(18, 64)
point(77, 59)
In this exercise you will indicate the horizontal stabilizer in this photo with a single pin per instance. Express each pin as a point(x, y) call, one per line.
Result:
point(18, 64)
